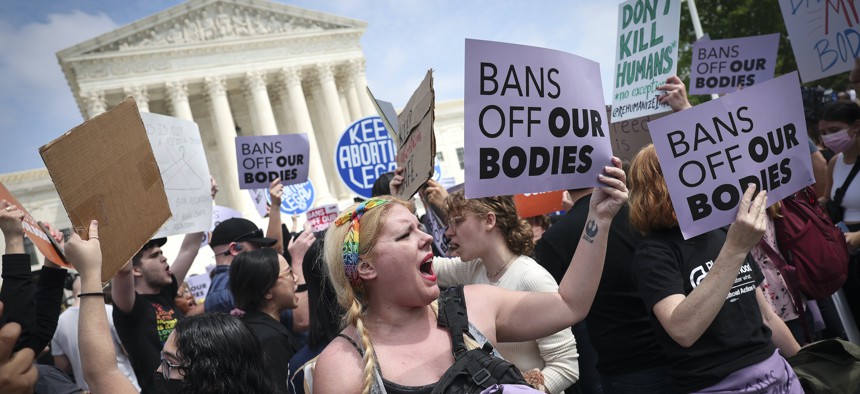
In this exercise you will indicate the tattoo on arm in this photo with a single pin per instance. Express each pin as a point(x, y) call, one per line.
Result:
point(590, 231)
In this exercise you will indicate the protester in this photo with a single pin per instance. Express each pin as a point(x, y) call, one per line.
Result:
point(65, 349)
point(186, 302)
point(495, 246)
point(209, 353)
point(716, 336)
point(35, 307)
point(325, 315)
point(263, 286)
point(539, 224)
point(839, 125)
point(382, 272)
point(144, 293)
point(630, 360)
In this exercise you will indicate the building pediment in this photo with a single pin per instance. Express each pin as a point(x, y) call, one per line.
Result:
point(211, 21)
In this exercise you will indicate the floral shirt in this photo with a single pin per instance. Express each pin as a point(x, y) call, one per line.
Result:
point(775, 289)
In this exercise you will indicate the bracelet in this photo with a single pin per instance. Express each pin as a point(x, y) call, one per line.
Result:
point(302, 287)
point(91, 295)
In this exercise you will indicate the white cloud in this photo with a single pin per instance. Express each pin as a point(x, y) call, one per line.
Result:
point(34, 95)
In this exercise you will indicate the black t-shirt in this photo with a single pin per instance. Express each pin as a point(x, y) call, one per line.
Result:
point(618, 321)
point(278, 344)
point(144, 330)
point(666, 264)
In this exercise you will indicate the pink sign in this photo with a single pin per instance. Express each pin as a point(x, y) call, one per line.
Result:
point(321, 218)
point(535, 120)
point(711, 152)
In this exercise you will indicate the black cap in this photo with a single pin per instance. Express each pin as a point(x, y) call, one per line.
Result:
point(239, 230)
point(158, 242)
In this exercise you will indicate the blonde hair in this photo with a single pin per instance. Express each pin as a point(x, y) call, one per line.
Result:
point(517, 233)
point(348, 297)
point(650, 206)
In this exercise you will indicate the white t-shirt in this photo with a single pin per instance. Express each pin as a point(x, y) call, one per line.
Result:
point(65, 343)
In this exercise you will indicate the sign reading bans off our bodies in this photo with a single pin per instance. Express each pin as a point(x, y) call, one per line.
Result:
point(723, 66)
point(261, 159)
point(647, 54)
point(535, 120)
point(711, 152)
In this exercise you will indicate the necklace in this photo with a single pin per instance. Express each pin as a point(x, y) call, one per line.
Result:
point(503, 267)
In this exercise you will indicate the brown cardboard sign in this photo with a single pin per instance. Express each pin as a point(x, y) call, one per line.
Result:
point(415, 126)
point(104, 169)
point(42, 239)
point(630, 135)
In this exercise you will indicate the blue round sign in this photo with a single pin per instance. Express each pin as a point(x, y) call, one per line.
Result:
point(297, 199)
point(364, 151)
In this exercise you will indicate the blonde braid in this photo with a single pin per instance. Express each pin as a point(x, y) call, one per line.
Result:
point(369, 358)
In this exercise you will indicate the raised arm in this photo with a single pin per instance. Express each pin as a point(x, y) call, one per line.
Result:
point(274, 231)
point(522, 316)
point(122, 288)
point(187, 253)
point(98, 358)
point(298, 248)
point(685, 318)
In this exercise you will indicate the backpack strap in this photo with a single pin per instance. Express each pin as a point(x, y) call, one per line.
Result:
point(840, 192)
point(791, 283)
point(453, 316)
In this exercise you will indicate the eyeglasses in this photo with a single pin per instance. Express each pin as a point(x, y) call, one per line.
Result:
point(167, 365)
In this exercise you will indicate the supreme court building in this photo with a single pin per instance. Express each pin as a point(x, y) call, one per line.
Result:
point(236, 68)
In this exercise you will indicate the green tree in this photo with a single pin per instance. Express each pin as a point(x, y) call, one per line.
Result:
point(723, 19)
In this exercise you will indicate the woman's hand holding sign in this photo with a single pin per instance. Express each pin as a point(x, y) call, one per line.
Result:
point(750, 223)
point(676, 94)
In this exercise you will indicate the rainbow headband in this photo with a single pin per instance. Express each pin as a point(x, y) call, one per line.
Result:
point(350, 243)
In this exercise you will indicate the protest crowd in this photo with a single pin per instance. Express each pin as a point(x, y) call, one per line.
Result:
point(626, 286)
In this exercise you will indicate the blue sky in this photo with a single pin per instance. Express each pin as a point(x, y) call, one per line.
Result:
point(403, 39)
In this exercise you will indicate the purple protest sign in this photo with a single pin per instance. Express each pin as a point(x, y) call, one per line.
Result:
point(711, 152)
point(722, 66)
point(534, 120)
point(261, 159)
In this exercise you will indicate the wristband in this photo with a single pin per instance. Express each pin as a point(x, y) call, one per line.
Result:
point(91, 295)
point(302, 287)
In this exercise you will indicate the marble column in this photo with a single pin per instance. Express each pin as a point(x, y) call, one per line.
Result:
point(261, 107)
point(361, 87)
point(344, 106)
point(177, 98)
point(352, 96)
point(140, 94)
point(330, 97)
point(292, 96)
point(95, 102)
point(225, 133)
point(326, 137)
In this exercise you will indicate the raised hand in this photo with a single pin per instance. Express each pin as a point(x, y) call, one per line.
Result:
point(606, 200)
point(86, 255)
point(676, 94)
point(750, 223)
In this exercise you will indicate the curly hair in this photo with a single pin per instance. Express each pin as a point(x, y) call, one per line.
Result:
point(650, 206)
point(252, 274)
point(516, 231)
point(220, 355)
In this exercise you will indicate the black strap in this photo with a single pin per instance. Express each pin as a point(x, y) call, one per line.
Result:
point(791, 283)
point(840, 192)
point(355, 345)
point(452, 315)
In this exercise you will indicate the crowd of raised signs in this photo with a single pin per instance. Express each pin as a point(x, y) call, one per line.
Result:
point(620, 292)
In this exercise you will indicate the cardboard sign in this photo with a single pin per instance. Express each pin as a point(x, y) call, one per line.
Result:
point(33, 229)
point(297, 199)
point(386, 111)
point(722, 66)
point(321, 218)
point(436, 227)
point(261, 202)
point(415, 125)
point(181, 160)
point(536, 204)
point(535, 120)
point(629, 136)
point(709, 153)
point(198, 285)
point(647, 55)
point(263, 158)
point(364, 151)
point(104, 169)
point(825, 36)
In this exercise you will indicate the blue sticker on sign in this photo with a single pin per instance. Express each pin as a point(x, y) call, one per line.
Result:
point(364, 151)
point(297, 199)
